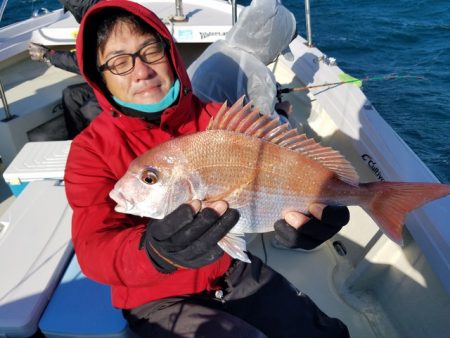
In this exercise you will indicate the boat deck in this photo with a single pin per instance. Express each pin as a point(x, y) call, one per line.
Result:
point(316, 274)
point(7, 201)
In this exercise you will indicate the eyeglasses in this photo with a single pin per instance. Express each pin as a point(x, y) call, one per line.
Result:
point(124, 63)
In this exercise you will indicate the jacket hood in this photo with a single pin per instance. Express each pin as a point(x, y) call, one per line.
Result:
point(87, 53)
point(264, 29)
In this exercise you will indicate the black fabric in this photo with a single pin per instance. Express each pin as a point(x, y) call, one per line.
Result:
point(80, 107)
point(314, 232)
point(282, 112)
point(257, 302)
point(186, 239)
point(77, 7)
point(196, 316)
point(154, 118)
point(79, 103)
point(64, 60)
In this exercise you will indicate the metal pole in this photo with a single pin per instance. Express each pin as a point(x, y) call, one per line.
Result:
point(308, 24)
point(179, 16)
point(233, 12)
point(2, 8)
point(8, 115)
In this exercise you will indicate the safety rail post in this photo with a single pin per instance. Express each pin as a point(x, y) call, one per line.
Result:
point(233, 12)
point(179, 15)
point(8, 115)
point(308, 24)
point(2, 8)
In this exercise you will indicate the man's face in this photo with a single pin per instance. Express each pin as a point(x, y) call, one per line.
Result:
point(146, 83)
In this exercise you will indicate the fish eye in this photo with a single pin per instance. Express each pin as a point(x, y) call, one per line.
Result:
point(149, 177)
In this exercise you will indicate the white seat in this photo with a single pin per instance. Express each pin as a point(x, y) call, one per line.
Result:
point(35, 248)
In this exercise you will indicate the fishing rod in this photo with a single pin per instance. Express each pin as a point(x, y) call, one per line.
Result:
point(346, 79)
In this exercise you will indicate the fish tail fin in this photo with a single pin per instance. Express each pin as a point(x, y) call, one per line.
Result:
point(391, 201)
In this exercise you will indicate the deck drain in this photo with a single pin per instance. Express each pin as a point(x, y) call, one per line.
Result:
point(340, 248)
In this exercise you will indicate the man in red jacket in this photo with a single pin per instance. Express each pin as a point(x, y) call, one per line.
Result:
point(169, 275)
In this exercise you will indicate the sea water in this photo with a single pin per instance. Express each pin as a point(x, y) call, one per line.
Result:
point(405, 37)
point(370, 39)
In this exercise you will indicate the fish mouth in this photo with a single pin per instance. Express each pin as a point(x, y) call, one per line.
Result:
point(123, 208)
point(130, 206)
point(124, 205)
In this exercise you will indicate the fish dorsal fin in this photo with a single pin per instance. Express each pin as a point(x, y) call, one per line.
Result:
point(245, 120)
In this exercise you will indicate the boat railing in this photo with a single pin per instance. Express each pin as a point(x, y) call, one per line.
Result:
point(233, 12)
point(308, 24)
point(39, 12)
point(8, 115)
point(2, 9)
point(179, 15)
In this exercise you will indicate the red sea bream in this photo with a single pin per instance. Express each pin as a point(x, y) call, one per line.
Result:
point(260, 168)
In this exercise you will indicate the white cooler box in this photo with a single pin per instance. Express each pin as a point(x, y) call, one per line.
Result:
point(37, 161)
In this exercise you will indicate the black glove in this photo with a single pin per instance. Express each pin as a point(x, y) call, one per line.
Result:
point(185, 239)
point(314, 232)
point(37, 52)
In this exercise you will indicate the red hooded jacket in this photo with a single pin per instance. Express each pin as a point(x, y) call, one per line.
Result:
point(106, 242)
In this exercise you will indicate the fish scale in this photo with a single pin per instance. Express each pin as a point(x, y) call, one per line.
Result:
point(251, 181)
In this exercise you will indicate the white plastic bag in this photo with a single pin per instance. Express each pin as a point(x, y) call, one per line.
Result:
point(237, 65)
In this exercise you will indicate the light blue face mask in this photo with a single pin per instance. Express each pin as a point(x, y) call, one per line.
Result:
point(167, 101)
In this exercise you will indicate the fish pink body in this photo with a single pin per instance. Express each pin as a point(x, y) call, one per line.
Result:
point(260, 168)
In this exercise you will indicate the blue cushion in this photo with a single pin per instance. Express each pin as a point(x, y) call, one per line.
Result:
point(17, 189)
point(81, 307)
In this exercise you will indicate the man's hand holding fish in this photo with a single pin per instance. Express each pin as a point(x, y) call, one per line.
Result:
point(298, 231)
point(187, 237)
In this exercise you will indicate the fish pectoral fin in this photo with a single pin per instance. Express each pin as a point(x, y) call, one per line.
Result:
point(237, 199)
point(235, 245)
